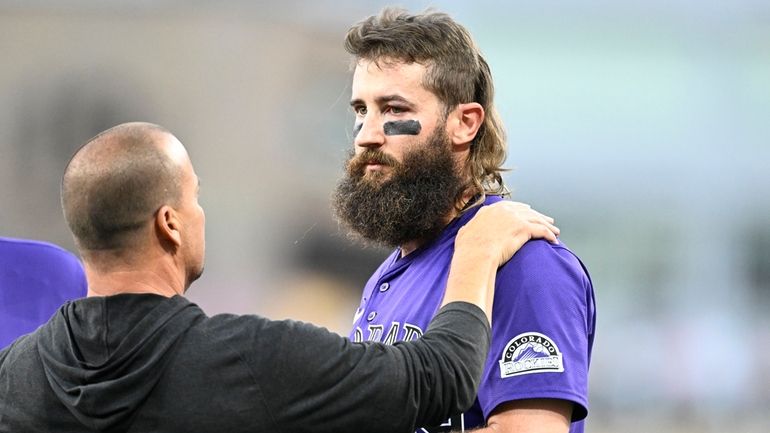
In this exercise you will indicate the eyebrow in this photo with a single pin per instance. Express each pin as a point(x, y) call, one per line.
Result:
point(380, 100)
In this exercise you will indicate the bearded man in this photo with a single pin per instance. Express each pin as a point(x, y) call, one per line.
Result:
point(428, 151)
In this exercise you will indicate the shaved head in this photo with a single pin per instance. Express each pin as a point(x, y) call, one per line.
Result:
point(116, 182)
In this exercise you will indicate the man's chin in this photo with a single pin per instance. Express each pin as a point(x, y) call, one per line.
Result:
point(377, 176)
point(194, 275)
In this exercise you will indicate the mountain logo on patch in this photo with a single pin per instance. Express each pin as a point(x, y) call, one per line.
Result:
point(530, 352)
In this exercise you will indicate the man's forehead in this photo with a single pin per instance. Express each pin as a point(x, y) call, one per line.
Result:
point(388, 77)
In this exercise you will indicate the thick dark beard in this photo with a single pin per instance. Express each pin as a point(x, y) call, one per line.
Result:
point(412, 204)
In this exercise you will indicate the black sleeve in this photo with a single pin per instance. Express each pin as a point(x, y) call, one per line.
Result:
point(317, 381)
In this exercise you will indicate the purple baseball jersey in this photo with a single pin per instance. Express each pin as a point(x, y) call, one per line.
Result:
point(36, 278)
point(542, 321)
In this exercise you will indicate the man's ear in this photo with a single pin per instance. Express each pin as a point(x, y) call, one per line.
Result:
point(464, 122)
point(168, 226)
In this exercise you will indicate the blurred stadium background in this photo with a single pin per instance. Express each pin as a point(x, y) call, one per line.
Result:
point(643, 126)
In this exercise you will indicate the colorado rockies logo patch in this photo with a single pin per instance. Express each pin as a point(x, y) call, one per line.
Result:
point(530, 352)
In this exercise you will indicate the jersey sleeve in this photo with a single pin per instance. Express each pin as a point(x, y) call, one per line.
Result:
point(542, 330)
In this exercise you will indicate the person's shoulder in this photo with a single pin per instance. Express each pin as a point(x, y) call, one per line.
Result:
point(60, 266)
point(541, 260)
point(542, 251)
point(22, 348)
point(252, 326)
point(227, 324)
point(227, 333)
point(262, 341)
point(47, 249)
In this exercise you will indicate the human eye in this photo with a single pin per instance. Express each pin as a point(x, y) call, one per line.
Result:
point(396, 109)
point(360, 110)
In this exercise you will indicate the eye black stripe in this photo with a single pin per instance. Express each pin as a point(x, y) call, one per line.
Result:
point(402, 127)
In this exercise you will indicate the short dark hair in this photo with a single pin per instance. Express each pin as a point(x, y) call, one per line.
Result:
point(115, 183)
point(456, 73)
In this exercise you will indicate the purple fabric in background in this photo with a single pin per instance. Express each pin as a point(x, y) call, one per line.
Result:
point(36, 278)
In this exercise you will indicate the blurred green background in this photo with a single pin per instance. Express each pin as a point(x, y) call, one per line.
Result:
point(643, 126)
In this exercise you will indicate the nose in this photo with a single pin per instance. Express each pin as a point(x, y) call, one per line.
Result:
point(369, 132)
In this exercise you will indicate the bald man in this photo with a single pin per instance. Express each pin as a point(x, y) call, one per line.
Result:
point(136, 356)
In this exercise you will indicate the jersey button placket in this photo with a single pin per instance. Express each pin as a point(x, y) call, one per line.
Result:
point(383, 287)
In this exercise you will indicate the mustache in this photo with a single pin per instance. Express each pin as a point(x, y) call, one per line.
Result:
point(357, 163)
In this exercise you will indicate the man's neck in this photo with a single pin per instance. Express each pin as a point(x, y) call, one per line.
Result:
point(158, 281)
point(409, 247)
